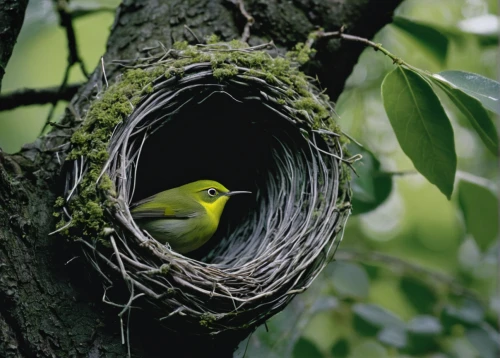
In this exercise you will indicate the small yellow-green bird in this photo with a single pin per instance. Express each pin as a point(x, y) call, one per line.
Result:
point(187, 216)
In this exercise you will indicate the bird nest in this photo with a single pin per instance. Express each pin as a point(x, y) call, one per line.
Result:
point(225, 112)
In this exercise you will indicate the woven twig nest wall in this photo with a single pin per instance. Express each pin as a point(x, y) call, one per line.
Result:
point(226, 112)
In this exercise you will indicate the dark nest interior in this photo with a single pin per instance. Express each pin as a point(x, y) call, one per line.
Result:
point(244, 133)
point(236, 144)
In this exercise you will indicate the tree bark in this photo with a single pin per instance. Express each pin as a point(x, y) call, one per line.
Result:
point(11, 18)
point(50, 304)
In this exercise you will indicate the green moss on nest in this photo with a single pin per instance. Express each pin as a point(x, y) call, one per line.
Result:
point(213, 39)
point(301, 53)
point(207, 319)
point(224, 70)
point(227, 60)
point(260, 64)
point(91, 141)
point(319, 112)
point(181, 45)
point(237, 44)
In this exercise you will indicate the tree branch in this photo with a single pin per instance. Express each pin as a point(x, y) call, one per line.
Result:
point(31, 96)
point(66, 21)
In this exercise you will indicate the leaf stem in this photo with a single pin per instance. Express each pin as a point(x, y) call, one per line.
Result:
point(321, 35)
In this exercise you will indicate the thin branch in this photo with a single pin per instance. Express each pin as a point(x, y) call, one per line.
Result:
point(321, 35)
point(250, 20)
point(66, 21)
point(192, 34)
point(62, 86)
point(31, 96)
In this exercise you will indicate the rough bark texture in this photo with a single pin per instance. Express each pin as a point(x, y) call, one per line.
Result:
point(11, 20)
point(50, 306)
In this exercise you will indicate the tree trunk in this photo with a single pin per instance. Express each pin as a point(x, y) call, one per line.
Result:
point(11, 18)
point(50, 304)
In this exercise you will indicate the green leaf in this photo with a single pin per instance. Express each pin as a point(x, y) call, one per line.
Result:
point(486, 90)
point(425, 325)
point(484, 27)
point(340, 349)
point(370, 349)
point(304, 348)
point(427, 34)
point(421, 126)
point(460, 347)
point(350, 280)
point(469, 314)
point(418, 294)
point(323, 303)
point(373, 271)
point(487, 25)
point(479, 205)
point(371, 187)
point(469, 255)
point(370, 319)
point(393, 336)
point(422, 333)
point(485, 344)
point(473, 110)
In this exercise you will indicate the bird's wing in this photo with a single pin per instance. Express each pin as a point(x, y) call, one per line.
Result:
point(155, 207)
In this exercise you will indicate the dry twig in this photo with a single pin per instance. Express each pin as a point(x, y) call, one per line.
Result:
point(250, 20)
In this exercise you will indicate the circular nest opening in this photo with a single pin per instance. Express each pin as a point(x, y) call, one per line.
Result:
point(205, 113)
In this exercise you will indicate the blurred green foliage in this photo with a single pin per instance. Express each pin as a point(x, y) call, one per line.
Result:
point(416, 275)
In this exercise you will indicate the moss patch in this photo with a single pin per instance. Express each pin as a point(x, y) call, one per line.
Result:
point(114, 105)
point(230, 59)
point(91, 141)
point(207, 319)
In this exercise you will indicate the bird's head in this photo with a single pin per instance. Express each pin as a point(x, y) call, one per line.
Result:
point(211, 194)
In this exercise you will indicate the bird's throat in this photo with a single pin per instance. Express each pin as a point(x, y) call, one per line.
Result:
point(214, 210)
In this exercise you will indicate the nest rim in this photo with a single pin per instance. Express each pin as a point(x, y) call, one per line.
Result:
point(174, 272)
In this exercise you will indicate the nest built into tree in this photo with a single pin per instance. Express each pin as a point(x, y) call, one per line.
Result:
point(225, 112)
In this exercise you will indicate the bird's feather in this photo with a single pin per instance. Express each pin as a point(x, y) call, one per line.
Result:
point(157, 207)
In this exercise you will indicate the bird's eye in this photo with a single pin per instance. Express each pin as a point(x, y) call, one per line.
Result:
point(212, 192)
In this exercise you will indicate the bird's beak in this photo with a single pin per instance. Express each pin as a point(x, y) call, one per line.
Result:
point(231, 193)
